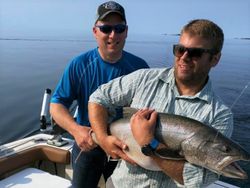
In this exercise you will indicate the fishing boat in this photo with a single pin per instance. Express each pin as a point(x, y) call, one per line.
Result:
point(44, 159)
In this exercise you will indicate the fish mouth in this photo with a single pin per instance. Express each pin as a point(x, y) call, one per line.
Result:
point(233, 170)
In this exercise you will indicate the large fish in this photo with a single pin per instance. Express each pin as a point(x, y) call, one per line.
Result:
point(186, 139)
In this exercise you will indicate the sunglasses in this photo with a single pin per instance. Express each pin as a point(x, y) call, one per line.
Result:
point(179, 50)
point(107, 29)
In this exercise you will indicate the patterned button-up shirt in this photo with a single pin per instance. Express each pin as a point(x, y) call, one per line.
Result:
point(156, 89)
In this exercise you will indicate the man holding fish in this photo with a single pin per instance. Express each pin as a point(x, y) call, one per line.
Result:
point(184, 90)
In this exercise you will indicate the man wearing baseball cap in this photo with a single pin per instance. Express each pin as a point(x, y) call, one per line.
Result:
point(80, 79)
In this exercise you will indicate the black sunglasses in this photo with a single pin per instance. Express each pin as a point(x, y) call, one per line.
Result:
point(107, 29)
point(179, 50)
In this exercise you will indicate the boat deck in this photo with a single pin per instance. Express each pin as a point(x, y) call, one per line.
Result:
point(32, 177)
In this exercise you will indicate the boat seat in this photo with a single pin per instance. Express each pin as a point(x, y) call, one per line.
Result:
point(34, 178)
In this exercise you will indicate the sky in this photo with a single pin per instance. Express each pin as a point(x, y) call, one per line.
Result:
point(75, 18)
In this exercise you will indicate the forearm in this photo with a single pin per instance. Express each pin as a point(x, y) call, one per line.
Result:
point(173, 168)
point(98, 117)
point(63, 118)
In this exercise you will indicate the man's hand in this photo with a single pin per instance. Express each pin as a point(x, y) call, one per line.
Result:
point(143, 125)
point(98, 116)
point(115, 148)
point(65, 120)
point(83, 138)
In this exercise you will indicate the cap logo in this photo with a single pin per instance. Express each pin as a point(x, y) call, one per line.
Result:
point(111, 5)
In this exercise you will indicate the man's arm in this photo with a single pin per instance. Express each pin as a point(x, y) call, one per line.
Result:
point(65, 120)
point(143, 126)
point(172, 168)
point(98, 117)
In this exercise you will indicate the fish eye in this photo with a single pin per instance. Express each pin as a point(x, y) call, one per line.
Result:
point(225, 149)
point(220, 147)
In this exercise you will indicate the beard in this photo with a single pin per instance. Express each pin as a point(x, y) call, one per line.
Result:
point(189, 77)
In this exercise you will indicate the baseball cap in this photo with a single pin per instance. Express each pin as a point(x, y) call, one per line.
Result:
point(110, 7)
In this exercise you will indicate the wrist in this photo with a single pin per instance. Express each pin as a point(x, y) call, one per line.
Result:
point(142, 141)
point(148, 149)
point(74, 128)
point(101, 136)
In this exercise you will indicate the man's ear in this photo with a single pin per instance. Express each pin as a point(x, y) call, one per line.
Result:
point(215, 59)
point(127, 32)
point(94, 31)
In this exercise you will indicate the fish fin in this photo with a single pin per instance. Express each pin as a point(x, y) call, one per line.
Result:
point(166, 153)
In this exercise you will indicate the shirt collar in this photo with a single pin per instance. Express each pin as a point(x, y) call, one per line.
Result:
point(205, 94)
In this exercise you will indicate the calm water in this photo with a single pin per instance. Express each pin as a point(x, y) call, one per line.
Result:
point(28, 67)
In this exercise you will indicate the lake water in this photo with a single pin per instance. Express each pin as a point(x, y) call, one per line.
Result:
point(29, 66)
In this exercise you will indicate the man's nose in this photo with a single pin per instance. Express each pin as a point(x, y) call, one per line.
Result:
point(112, 33)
